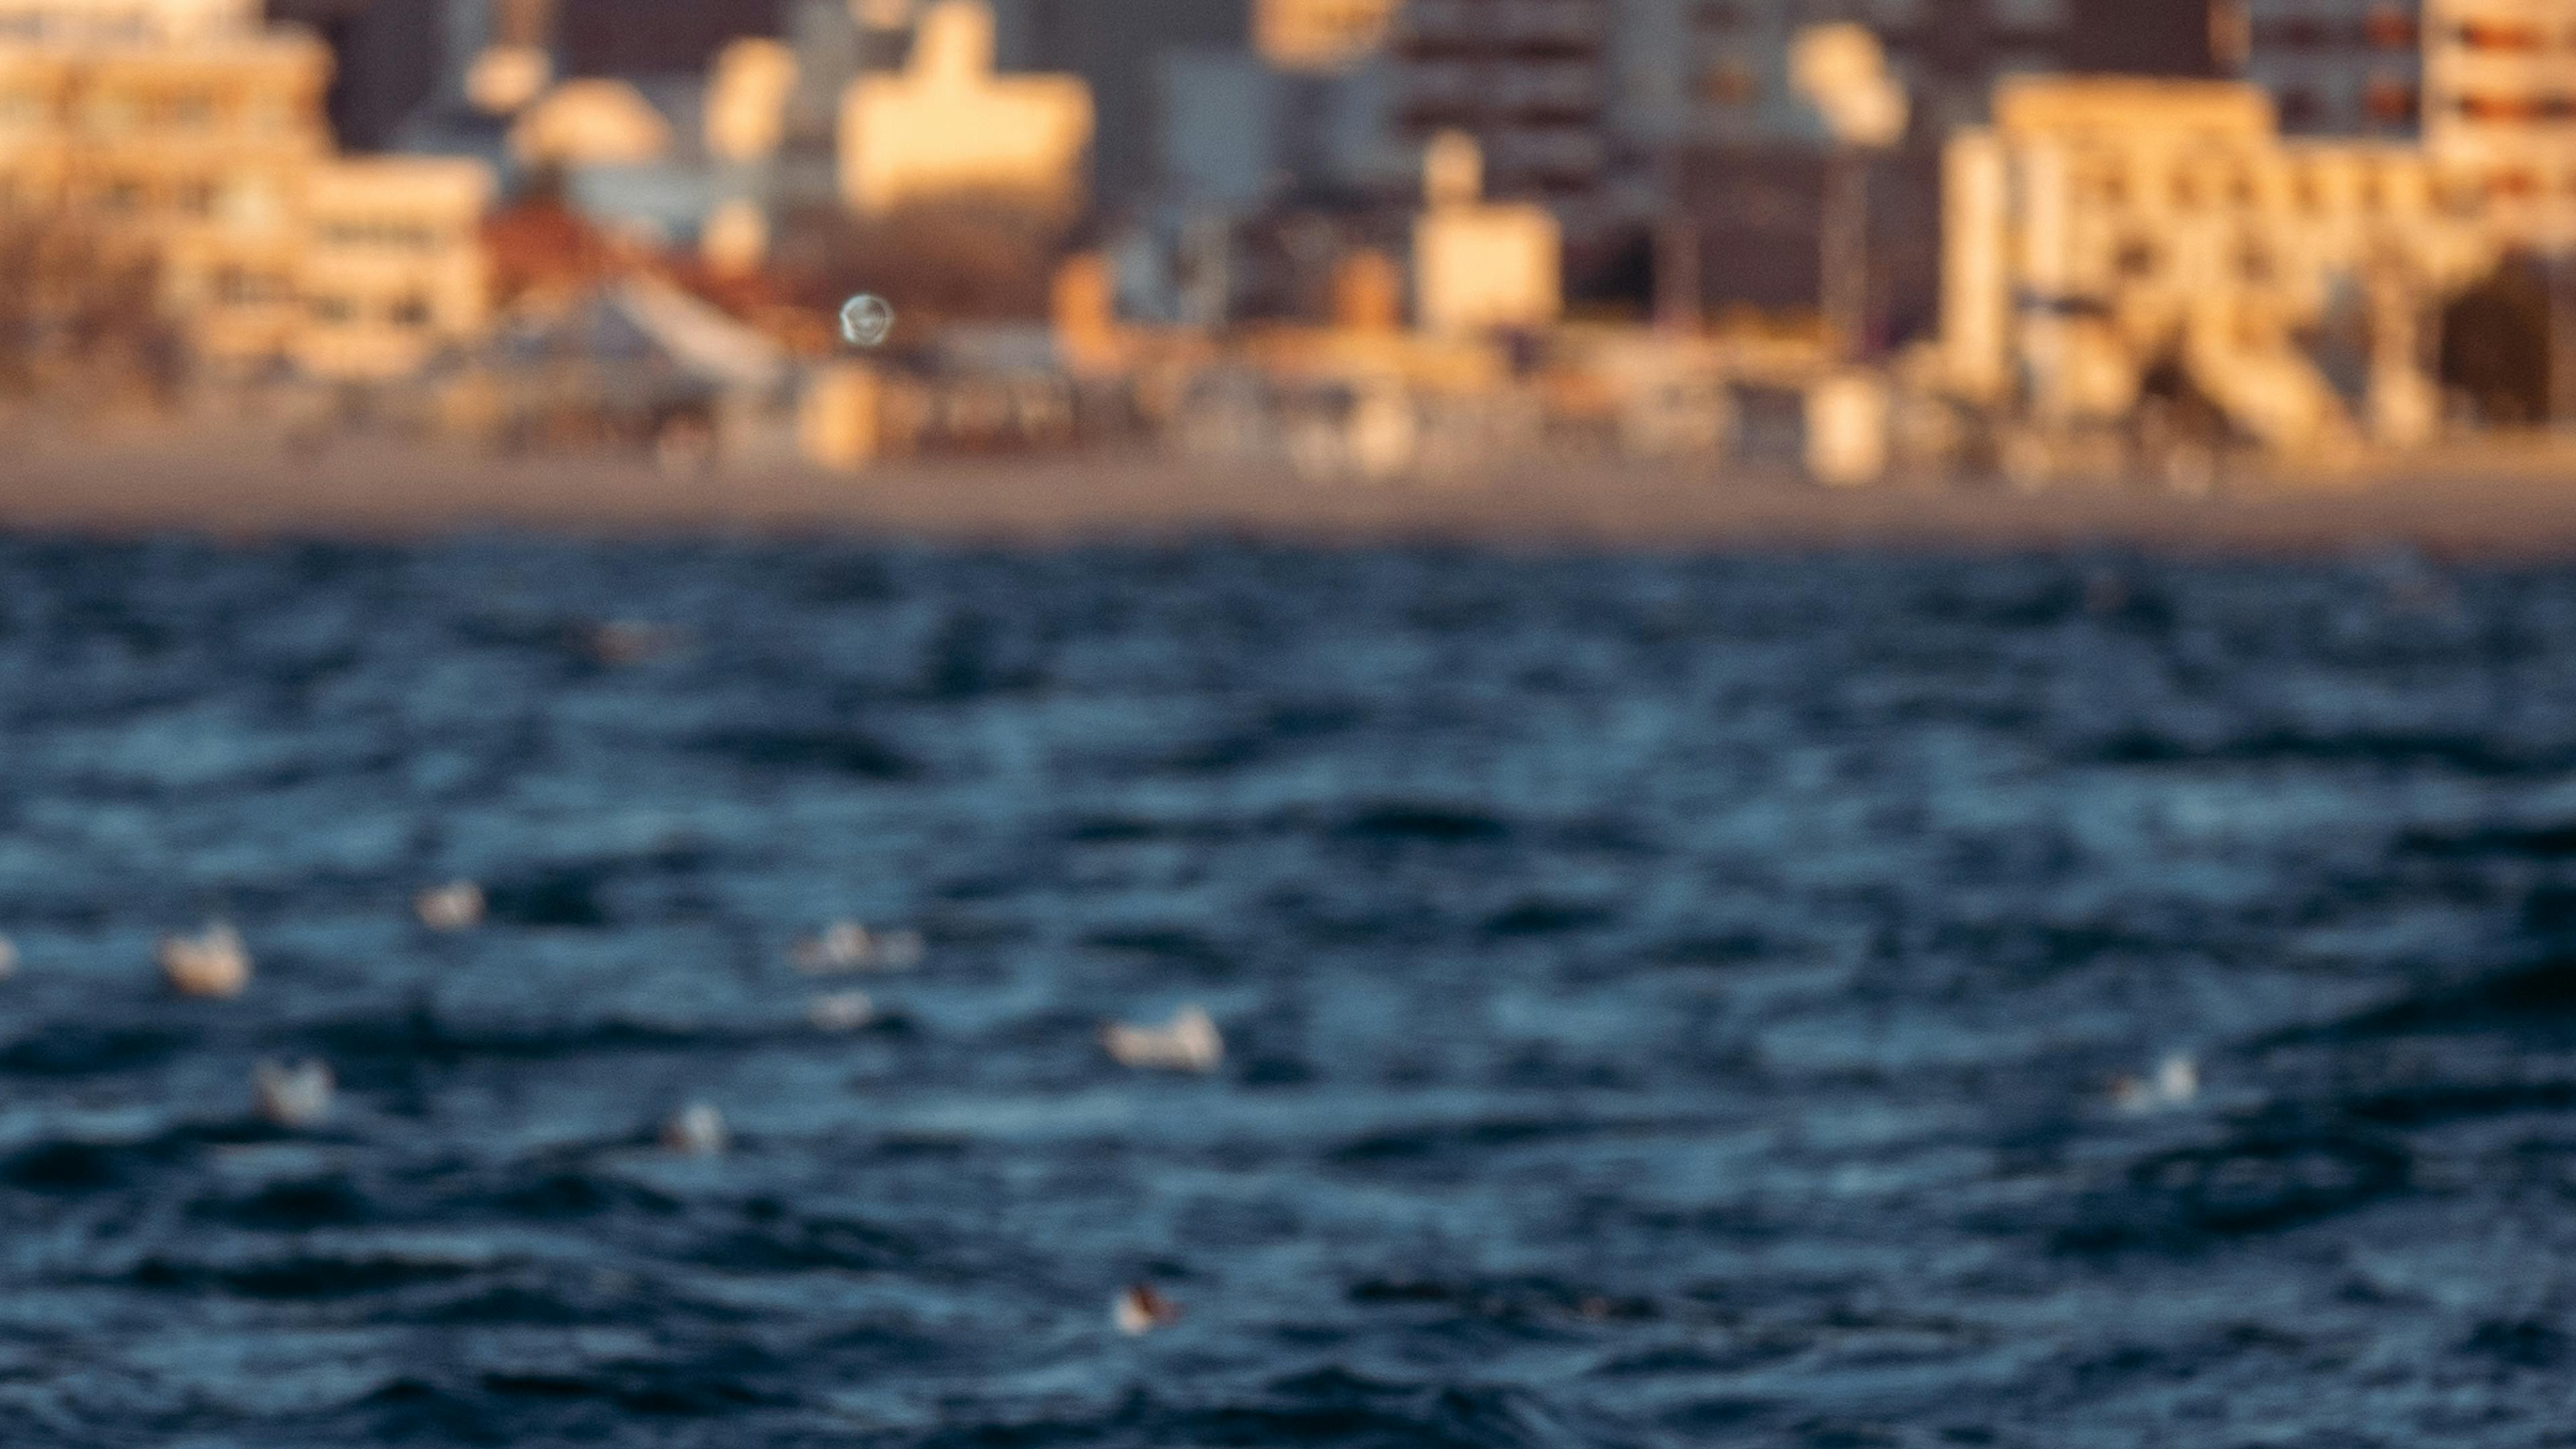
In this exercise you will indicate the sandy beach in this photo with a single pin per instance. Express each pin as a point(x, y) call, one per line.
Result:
point(2501, 501)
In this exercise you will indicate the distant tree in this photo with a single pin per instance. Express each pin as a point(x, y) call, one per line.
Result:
point(2495, 344)
point(81, 302)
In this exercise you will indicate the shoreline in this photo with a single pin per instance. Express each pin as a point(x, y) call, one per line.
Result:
point(2500, 503)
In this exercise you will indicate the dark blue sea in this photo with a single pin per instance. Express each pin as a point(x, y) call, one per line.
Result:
point(1667, 1001)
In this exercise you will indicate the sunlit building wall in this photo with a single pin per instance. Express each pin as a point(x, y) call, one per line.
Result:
point(391, 267)
point(194, 129)
point(1320, 35)
point(2500, 106)
point(2101, 228)
point(947, 128)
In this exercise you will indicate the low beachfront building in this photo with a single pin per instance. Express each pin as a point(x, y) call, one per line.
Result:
point(2105, 237)
point(194, 130)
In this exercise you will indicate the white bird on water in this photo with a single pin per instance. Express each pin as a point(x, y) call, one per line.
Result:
point(2175, 1083)
point(212, 963)
point(1187, 1043)
point(455, 906)
point(294, 1094)
point(8, 958)
point(1139, 1310)
point(840, 1011)
point(696, 1130)
point(848, 946)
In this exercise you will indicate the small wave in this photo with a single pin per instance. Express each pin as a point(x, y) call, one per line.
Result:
point(304, 1276)
point(2470, 754)
point(1543, 916)
point(1425, 823)
point(2541, 995)
point(69, 1049)
point(297, 1206)
point(2243, 1188)
point(832, 751)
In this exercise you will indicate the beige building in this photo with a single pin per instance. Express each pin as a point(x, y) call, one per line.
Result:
point(1320, 35)
point(2101, 230)
point(946, 127)
point(2332, 67)
point(1479, 265)
point(2500, 107)
point(194, 128)
point(391, 267)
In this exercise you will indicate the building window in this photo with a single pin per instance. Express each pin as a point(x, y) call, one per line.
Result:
point(1728, 82)
point(197, 198)
point(2298, 32)
point(2390, 102)
point(332, 310)
point(410, 311)
point(2389, 28)
point(2501, 35)
point(2300, 107)
point(2514, 184)
point(2136, 259)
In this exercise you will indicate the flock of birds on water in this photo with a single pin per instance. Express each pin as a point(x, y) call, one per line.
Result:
point(215, 964)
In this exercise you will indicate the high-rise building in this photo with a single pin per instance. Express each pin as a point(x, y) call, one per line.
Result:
point(2332, 67)
point(1529, 80)
point(385, 61)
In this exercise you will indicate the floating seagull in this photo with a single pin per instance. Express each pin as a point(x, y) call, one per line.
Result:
point(293, 1095)
point(848, 946)
point(840, 1011)
point(2175, 1084)
point(8, 958)
point(1187, 1043)
point(455, 906)
point(696, 1130)
point(213, 963)
point(1139, 1310)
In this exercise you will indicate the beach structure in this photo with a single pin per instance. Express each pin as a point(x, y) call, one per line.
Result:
point(1480, 265)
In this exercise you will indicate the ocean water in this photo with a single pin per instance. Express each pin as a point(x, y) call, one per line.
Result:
point(1668, 1002)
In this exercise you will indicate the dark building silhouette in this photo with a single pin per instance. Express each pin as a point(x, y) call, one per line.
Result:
point(1117, 46)
point(648, 37)
point(388, 61)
